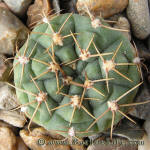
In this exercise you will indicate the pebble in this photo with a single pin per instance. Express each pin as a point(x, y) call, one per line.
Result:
point(124, 24)
point(139, 17)
point(2, 4)
point(13, 117)
point(20, 144)
point(31, 140)
point(127, 129)
point(12, 30)
point(7, 97)
point(5, 68)
point(142, 111)
point(142, 49)
point(107, 8)
point(35, 12)
point(77, 147)
point(4, 124)
point(115, 144)
point(146, 144)
point(18, 7)
point(7, 139)
point(56, 6)
point(147, 127)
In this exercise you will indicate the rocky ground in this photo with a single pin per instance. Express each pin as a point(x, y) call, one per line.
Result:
point(17, 19)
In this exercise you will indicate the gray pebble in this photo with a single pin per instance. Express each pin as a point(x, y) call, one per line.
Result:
point(129, 130)
point(115, 144)
point(56, 6)
point(14, 118)
point(8, 99)
point(12, 30)
point(138, 15)
point(147, 127)
point(18, 7)
point(5, 68)
point(124, 24)
point(142, 111)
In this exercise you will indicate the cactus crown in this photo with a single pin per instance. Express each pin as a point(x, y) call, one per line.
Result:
point(71, 77)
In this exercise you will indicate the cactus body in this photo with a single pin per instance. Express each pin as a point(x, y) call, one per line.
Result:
point(70, 76)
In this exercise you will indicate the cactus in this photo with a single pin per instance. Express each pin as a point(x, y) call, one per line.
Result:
point(75, 77)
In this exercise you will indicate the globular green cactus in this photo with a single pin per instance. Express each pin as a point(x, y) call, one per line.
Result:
point(75, 76)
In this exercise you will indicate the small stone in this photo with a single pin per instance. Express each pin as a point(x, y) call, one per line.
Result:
point(145, 143)
point(2, 4)
point(106, 8)
point(116, 17)
point(20, 144)
point(115, 144)
point(7, 97)
point(18, 7)
point(123, 23)
point(127, 129)
point(5, 68)
point(43, 131)
point(142, 50)
point(7, 139)
point(56, 6)
point(13, 117)
point(4, 124)
point(78, 147)
point(142, 111)
point(138, 15)
point(11, 31)
point(38, 140)
point(35, 12)
point(147, 127)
